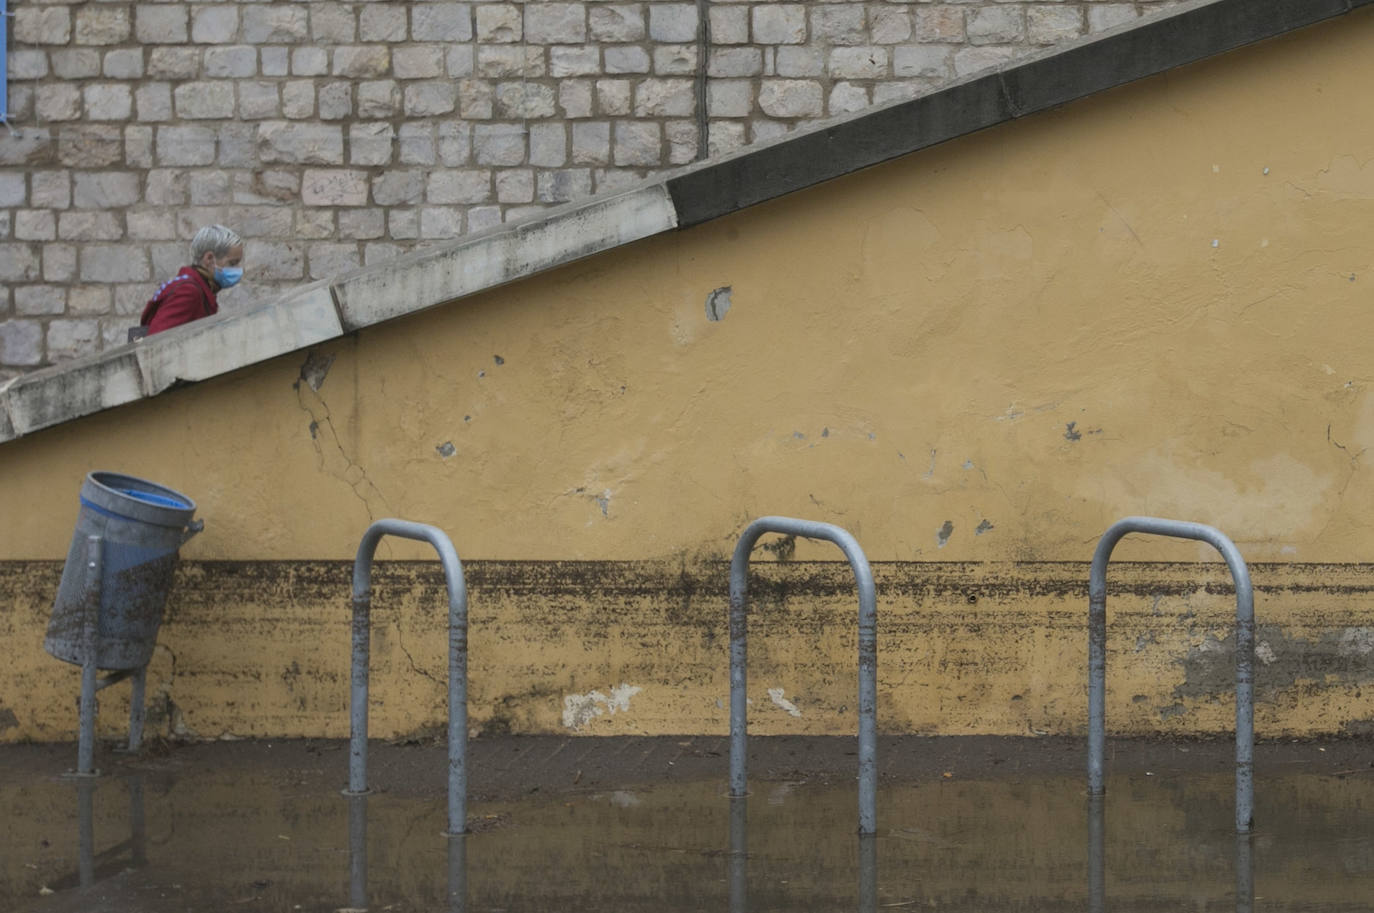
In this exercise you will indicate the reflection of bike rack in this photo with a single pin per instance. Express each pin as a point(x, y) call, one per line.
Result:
point(1245, 652)
point(1097, 865)
point(739, 864)
point(357, 861)
point(457, 662)
point(868, 654)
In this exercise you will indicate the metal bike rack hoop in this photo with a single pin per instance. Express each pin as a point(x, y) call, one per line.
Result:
point(1245, 651)
point(868, 653)
point(457, 662)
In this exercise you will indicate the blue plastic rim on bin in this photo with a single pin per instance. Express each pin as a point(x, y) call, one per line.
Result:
point(142, 525)
point(153, 497)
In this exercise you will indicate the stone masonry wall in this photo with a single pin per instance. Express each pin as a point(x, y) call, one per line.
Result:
point(332, 135)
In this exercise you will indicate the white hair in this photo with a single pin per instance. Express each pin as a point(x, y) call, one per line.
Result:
point(213, 238)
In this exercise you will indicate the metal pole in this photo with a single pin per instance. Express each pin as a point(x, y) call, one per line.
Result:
point(358, 682)
point(137, 710)
point(1097, 873)
point(457, 876)
point(1245, 875)
point(868, 654)
point(457, 661)
point(138, 842)
point(868, 873)
point(357, 852)
point(457, 695)
point(1245, 651)
point(739, 855)
point(90, 637)
point(85, 813)
point(739, 658)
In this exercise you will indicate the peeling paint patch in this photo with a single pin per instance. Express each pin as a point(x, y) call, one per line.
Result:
point(498, 359)
point(603, 501)
point(1333, 656)
point(446, 449)
point(983, 527)
point(7, 719)
point(783, 548)
point(718, 304)
point(1357, 642)
point(942, 537)
point(581, 709)
point(775, 695)
point(1073, 433)
point(315, 369)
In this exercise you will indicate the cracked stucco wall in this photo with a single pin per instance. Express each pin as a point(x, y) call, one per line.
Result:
point(1154, 301)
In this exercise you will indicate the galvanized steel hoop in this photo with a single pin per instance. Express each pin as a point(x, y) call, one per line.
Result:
point(1245, 651)
point(868, 653)
point(457, 662)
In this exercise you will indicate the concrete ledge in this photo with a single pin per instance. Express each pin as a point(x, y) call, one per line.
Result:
point(829, 152)
point(6, 426)
point(64, 392)
point(206, 349)
point(502, 255)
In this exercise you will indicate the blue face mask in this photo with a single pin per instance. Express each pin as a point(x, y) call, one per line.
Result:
point(228, 276)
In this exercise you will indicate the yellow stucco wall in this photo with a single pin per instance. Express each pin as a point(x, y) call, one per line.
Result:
point(1154, 302)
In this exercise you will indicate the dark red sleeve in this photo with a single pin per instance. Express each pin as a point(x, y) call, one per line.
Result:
point(182, 302)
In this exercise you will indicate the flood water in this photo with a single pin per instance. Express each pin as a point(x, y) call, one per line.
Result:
point(271, 841)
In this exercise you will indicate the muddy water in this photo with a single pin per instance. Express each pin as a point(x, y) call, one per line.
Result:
point(288, 841)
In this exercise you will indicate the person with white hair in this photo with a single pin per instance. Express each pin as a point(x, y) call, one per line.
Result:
point(216, 264)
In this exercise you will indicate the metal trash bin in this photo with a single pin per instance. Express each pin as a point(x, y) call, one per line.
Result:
point(142, 525)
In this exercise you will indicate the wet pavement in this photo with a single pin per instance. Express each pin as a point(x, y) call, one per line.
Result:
point(608, 825)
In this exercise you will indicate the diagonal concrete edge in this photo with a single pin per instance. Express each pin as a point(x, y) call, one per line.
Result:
point(199, 351)
point(501, 255)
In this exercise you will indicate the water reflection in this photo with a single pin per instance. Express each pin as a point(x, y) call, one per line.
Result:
point(357, 852)
point(90, 865)
point(457, 890)
point(739, 855)
point(739, 861)
point(1245, 874)
point(280, 837)
point(1097, 865)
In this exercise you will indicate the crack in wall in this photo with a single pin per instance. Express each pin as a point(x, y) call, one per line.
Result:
point(410, 659)
point(322, 430)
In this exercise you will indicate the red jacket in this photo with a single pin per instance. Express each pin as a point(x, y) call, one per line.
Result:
point(185, 297)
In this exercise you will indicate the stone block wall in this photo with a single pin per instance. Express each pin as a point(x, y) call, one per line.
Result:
point(332, 135)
